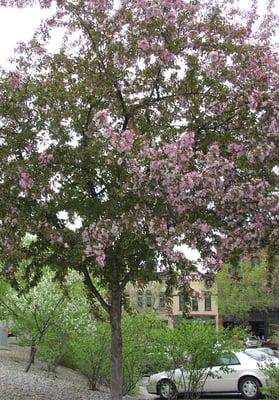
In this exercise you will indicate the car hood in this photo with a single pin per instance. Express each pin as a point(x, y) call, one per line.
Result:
point(162, 375)
point(158, 376)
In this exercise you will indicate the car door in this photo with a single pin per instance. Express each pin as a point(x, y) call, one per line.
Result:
point(225, 375)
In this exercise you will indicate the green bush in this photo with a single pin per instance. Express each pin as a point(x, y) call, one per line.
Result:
point(89, 353)
point(194, 347)
point(271, 390)
point(137, 333)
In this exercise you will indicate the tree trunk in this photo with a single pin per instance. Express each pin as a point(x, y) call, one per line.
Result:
point(33, 351)
point(116, 344)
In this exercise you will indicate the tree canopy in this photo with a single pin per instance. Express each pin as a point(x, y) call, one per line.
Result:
point(155, 125)
point(244, 290)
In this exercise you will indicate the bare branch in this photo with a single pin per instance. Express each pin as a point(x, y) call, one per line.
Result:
point(93, 289)
point(124, 108)
point(125, 280)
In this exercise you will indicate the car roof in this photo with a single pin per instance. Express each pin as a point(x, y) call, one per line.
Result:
point(244, 358)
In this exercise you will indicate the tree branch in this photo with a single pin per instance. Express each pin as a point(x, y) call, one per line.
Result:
point(124, 108)
point(93, 289)
point(125, 280)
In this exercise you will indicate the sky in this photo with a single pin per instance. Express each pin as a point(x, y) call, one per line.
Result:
point(19, 25)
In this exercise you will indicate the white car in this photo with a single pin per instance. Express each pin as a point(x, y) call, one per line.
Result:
point(268, 351)
point(243, 377)
point(253, 341)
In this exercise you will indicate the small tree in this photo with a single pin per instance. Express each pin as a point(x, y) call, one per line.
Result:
point(195, 347)
point(72, 321)
point(43, 316)
point(89, 353)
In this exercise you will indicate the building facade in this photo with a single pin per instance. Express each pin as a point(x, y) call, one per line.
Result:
point(204, 305)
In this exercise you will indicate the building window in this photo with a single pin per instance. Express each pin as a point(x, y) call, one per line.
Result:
point(207, 302)
point(140, 302)
point(162, 300)
point(184, 302)
point(181, 302)
point(195, 304)
point(148, 299)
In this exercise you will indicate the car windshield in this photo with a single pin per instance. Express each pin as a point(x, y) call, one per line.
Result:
point(257, 355)
point(266, 350)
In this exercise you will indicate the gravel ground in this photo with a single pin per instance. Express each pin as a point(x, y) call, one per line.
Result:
point(37, 384)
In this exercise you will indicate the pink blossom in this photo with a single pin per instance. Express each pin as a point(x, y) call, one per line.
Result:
point(126, 142)
point(25, 182)
point(253, 103)
point(171, 18)
point(274, 126)
point(214, 149)
point(155, 12)
point(211, 183)
point(155, 165)
point(143, 44)
point(204, 228)
point(188, 139)
point(170, 149)
point(213, 56)
point(237, 149)
point(100, 256)
point(44, 159)
point(102, 116)
point(167, 56)
point(15, 81)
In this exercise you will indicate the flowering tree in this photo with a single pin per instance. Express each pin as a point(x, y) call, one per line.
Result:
point(154, 126)
point(46, 312)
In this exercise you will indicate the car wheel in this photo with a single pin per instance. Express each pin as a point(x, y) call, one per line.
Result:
point(167, 389)
point(249, 387)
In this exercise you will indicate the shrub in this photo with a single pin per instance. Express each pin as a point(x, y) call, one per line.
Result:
point(89, 352)
point(271, 390)
point(194, 347)
point(137, 333)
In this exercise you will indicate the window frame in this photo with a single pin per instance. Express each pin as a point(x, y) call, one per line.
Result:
point(195, 301)
point(148, 299)
point(208, 298)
